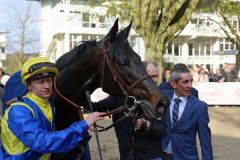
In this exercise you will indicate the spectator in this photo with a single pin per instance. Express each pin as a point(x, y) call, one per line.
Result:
point(219, 75)
point(147, 133)
point(3, 80)
point(229, 74)
point(3, 77)
point(152, 69)
point(195, 74)
point(202, 76)
point(212, 76)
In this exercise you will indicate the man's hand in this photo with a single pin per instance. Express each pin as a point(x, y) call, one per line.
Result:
point(94, 117)
point(138, 124)
point(142, 124)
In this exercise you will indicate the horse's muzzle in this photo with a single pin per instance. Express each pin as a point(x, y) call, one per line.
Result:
point(151, 111)
point(148, 109)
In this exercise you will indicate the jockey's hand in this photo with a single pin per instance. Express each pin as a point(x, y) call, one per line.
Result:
point(94, 117)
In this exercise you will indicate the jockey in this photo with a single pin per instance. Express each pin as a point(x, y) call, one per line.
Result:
point(28, 124)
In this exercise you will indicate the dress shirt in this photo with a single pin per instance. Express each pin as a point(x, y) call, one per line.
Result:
point(182, 105)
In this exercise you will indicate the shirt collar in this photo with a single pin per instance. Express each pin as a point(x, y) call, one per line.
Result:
point(183, 99)
point(38, 100)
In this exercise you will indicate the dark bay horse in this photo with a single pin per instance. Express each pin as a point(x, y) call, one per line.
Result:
point(111, 64)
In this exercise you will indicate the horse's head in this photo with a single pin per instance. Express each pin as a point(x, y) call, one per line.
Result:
point(122, 72)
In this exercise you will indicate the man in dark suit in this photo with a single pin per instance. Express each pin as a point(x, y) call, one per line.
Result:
point(185, 117)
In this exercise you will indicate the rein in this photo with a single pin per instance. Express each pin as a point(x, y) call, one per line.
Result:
point(68, 100)
point(115, 111)
point(123, 86)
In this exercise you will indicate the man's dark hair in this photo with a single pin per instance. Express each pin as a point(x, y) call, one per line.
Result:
point(179, 65)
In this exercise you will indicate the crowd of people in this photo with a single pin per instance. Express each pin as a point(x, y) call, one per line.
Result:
point(228, 73)
point(28, 124)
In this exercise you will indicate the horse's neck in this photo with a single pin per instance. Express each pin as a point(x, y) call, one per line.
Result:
point(75, 85)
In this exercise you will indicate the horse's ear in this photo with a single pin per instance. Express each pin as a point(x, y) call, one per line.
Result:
point(126, 31)
point(113, 31)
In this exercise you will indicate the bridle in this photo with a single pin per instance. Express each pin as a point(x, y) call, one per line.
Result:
point(128, 109)
point(126, 89)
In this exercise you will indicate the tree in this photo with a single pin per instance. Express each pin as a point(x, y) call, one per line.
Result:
point(230, 13)
point(23, 37)
point(157, 22)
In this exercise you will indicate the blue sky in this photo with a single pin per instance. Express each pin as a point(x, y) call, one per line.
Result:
point(5, 23)
point(4, 5)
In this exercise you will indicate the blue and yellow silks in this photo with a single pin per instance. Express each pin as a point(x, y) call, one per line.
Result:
point(27, 131)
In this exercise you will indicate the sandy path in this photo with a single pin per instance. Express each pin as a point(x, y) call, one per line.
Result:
point(224, 123)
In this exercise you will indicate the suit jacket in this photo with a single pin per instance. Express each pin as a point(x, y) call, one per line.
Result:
point(194, 120)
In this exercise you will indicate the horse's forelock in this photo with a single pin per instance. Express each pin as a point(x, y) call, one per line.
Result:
point(119, 49)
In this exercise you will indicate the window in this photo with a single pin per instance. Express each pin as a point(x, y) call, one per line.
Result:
point(235, 24)
point(74, 40)
point(208, 66)
point(190, 49)
point(85, 37)
point(176, 49)
point(226, 45)
point(232, 46)
point(93, 37)
point(93, 20)
point(2, 50)
point(99, 37)
point(208, 49)
point(194, 21)
point(85, 19)
point(221, 46)
point(169, 48)
point(196, 46)
point(202, 53)
point(102, 22)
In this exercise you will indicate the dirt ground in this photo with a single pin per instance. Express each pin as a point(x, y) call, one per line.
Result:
point(224, 124)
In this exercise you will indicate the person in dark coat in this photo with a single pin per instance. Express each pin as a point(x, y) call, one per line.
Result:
point(146, 133)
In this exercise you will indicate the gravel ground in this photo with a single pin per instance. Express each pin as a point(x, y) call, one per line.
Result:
point(224, 124)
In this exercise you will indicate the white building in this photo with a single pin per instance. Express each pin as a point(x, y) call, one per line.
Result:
point(64, 24)
point(202, 42)
point(2, 47)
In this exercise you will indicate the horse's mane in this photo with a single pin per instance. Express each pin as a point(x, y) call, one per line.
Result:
point(73, 54)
